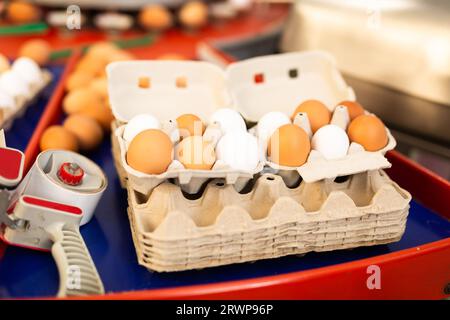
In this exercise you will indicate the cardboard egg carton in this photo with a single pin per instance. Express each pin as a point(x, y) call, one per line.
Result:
point(23, 102)
point(280, 83)
point(174, 88)
point(223, 226)
point(253, 87)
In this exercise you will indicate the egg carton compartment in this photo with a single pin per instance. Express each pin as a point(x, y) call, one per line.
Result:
point(191, 181)
point(317, 167)
point(22, 102)
point(280, 83)
point(223, 226)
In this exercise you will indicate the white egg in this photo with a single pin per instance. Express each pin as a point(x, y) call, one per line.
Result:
point(331, 141)
point(269, 123)
point(12, 84)
point(239, 150)
point(28, 70)
point(7, 101)
point(138, 124)
point(229, 120)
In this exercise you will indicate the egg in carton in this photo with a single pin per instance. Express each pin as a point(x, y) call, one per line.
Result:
point(166, 90)
point(268, 89)
point(224, 226)
point(19, 87)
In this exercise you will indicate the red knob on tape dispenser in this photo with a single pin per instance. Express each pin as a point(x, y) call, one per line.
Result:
point(70, 173)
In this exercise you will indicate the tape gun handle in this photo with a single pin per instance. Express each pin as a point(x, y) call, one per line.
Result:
point(77, 272)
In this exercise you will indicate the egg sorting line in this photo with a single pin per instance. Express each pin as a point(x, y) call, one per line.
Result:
point(20, 83)
point(296, 143)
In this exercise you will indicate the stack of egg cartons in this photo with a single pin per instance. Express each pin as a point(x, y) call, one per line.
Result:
point(187, 219)
point(19, 85)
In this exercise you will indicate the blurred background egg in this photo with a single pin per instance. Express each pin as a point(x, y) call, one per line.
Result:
point(139, 123)
point(101, 86)
point(369, 131)
point(353, 107)
point(289, 146)
point(239, 150)
point(22, 12)
point(12, 84)
point(229, 120)
point(81, 99)
point(155, 17)
point(88, 132)
point(331, 141)
point(92, 66)
point(196, 153)
point(190, 125)
point(6, 101)
point(57, 137)
point(4, 63)
point(193, 14)
point(27, 70)
point(36, 49)
point(318, 113)
point(150, 152)
point(102, 114)
point(78, 79)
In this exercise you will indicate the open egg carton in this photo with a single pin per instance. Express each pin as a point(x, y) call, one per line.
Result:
point(172, 89)
point(19, 88)
point(188, 219)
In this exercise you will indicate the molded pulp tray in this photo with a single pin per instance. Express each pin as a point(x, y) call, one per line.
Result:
point(414, 267)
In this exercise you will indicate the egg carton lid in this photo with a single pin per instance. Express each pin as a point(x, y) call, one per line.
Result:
point(282, 81)
point(166, 89)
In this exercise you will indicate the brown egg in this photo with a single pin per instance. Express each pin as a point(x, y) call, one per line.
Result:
point(102, 114)
point(91, 65)
point(57, 137)
point(80, 99)
point(289, 146)
point(78, 80)
point(150, 152)
point(353, 107)
point(100, 85)
point(190, 125)
point(195, 153)
point(88, 132)
point(172, 56)
point(194, 14)
point(101, 50)
point(369, 131)
point(4, 63)
point(120, 55)
point(22, 12)
point(155, 17)
point(318, 113)
point(37, 50)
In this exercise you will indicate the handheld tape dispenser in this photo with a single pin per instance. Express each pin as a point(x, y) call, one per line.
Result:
point(44, 212)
